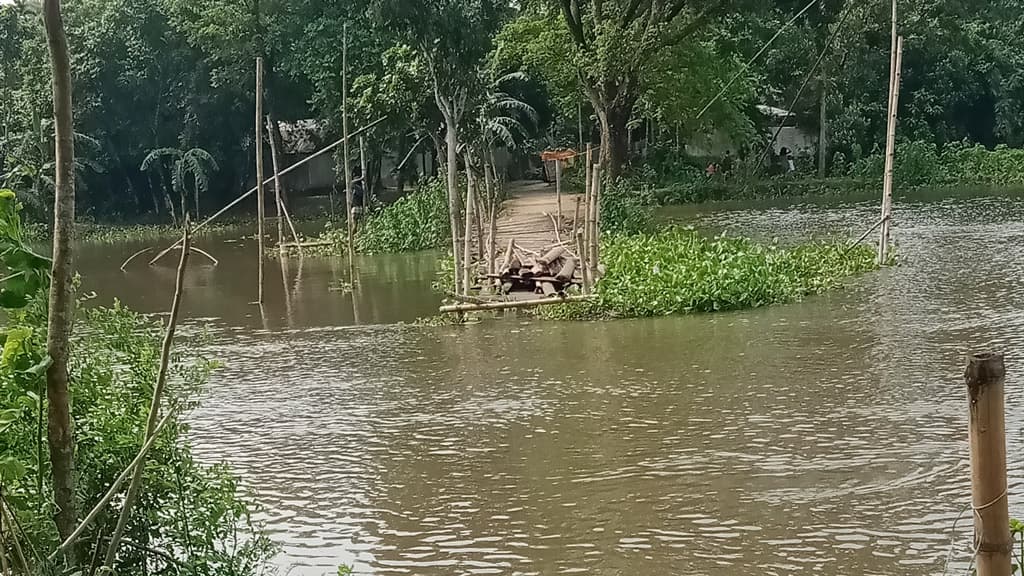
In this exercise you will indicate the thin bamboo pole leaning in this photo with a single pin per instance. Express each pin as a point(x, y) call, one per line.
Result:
point(154, 407)
point(282, 207)
point(260, 208)
point(112, 491)
point(252, 190)
point(890, 149)
point(7, 526)
point(595, 205)
point(351, 217)
point(282, 210)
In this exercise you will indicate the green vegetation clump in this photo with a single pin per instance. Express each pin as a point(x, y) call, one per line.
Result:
point(190, 518)
point(678, 271)
point(416, 221)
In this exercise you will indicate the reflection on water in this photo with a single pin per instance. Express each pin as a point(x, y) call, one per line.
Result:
point(822, 437)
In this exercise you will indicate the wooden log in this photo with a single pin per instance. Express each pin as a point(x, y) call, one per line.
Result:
point(513, 304)
point(548, 289)
point(984, 377)
point(568, 270)
point(552, 255)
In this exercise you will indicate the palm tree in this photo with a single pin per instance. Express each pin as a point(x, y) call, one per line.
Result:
point(195, 164)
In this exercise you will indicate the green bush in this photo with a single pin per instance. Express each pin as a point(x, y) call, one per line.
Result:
point(627, 206)
point(189, 512)
point(417, 221)
point(678, 271)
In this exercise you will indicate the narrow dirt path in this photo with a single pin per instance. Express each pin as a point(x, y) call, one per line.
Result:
point(528, 216)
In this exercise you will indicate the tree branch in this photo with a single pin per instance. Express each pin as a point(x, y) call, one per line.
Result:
point(572, 18)
point(694, 25)
point(631, 12)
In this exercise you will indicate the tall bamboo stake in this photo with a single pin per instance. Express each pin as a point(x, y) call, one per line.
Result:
point(259, 175)
point(365, 173)
point(890, 154)
point(348, 168)
point(154, 406)
point(587, 201)
point(595, 184)
point(467, 254)
point(491, 217)
point(558, 190)
point(984, 377)
point(597, 222)
point(277, 190)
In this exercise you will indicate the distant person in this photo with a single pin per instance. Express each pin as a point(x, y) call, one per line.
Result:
point(790, 163)
point(711, 170)
point(358, 191)
point(727, 163)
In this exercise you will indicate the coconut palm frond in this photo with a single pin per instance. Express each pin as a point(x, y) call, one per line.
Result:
point(499, 133)
point(512, 77)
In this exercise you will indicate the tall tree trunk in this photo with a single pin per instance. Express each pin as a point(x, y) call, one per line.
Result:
point(454, 197)
point(823, 128)
point(614, 138)
point(60, 431)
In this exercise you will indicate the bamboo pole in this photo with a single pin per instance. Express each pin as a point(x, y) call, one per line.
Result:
point(592, 237)
point(558, 191)
point(259, 176)
point(597, 222)
point(513, 304)
point(9, 524)
point(576, 217)
point(467, 254)
point(984, 377)
point(895, 62)
point(587, 203)
point(584, 264)
point(277, 190)
point(491, 218)
point(154, 407)
point(348, 169)
point(365, 173)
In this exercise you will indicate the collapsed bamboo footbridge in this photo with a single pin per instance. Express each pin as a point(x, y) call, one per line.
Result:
point(545, 249)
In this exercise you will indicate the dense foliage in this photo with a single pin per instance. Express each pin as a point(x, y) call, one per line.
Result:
point(417, 221)
point(677, 271)
point(190, 519)
point(161, 75)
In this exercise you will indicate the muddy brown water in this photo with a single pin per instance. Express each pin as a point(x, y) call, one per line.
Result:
point(823, 437)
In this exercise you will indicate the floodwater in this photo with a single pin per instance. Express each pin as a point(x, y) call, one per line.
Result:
point(824, 437)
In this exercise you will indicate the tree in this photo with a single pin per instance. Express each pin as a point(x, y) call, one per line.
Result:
point(194, 164)
point(616, 42)
point(60, 432)
point(452, 37)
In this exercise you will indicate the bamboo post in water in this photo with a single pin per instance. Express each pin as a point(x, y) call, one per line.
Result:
point(277, 190)
point(351, 217)
point(984, 377)
point(467, 254)
point(895, 64)
point(259, 176)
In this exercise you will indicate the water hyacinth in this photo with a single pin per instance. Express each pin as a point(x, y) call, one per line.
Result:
point(677, 271)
